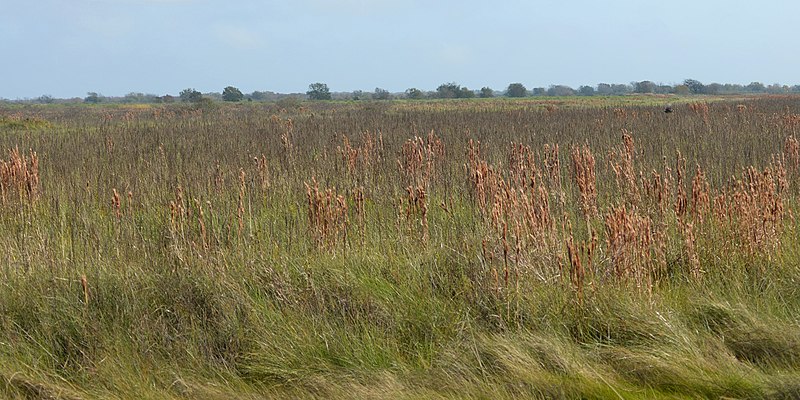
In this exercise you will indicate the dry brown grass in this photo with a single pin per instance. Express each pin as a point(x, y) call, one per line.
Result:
point(583, 171)
point(630, 245)
point(327, 215)
point(19, 176)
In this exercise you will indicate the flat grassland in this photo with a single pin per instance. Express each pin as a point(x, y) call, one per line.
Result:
point(535, 248)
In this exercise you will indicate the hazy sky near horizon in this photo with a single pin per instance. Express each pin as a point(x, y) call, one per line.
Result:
point(66, 48)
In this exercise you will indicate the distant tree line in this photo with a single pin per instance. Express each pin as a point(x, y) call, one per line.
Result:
point(450, 90)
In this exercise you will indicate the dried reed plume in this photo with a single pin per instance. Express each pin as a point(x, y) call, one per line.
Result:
point(327, 215)
point(361, 215)
point(418, 160)
point(756, 210)
point(583, 171)
point(701, 196)
point(681, 200)
point(621, 163)
point(360, 162)
point(85, 287)
point(288, 144)
point(19, 176)
point(116, 204)
point(629, 241)
point(700, 108)
point(416, 210)
point(262, 171)
point(791, 152)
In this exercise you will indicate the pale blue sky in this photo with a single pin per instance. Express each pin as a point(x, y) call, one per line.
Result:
point(67, 48)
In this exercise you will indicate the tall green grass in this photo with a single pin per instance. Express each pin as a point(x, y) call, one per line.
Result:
point(180, 309)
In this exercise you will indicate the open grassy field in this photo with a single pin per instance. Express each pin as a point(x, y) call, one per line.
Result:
point(561, 248)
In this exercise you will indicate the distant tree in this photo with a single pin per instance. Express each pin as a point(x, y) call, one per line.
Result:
point(414, 94)
point(756, 87)
point(486, 92)
point(259, 96)
point(777, 88)
point(620, 89)
point(465, 93)
point(644, 87)
point(604, 89)
point(713, 88)
point(586, 91)
point(45, 99)
point(560, 90)
point(167, 99)
point(539, 91)
point(190, 95)
point(448, 90)
point(357, 95)
point(664, 89)
point(137, 97)
point(318, 91)
point(681, 90)
point(288, 102)
point(695, 86)
point(231, 93)
point(381, 94)
point(795, 89)
point(92, 97)
point(516, 90)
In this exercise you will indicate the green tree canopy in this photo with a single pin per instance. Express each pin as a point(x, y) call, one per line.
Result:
point(190, 95)
point(414, 94)
point(318, 91)
point(695, 86)
point(92, 97)
point(516, 90)
point(644, 87)
point(381, 94)
point(231, 93)
point(448, 90)
point(586, 90)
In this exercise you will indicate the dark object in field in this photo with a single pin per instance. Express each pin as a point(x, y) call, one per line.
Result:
point(668, 109)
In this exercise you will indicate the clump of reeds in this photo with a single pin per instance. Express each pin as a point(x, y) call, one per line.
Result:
point(359, 161)
point(415, 209)
point(287, 141)
point(482, 177)
point(791, 153)
point(521, 164)
point(262, 171)
point(700, 108)
point(681, 199)
point(577, 270)
point(116, 204)
point(701, 196)
point(629, 242)
point(418, 160)
point(791, 121)
point(360, 208)
point(755, 208)
point(621, 163)
point(19, 176)
point(516, 207)
point(552, 165)
point(327, 215)
point(657, 192)
point(583, 171)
